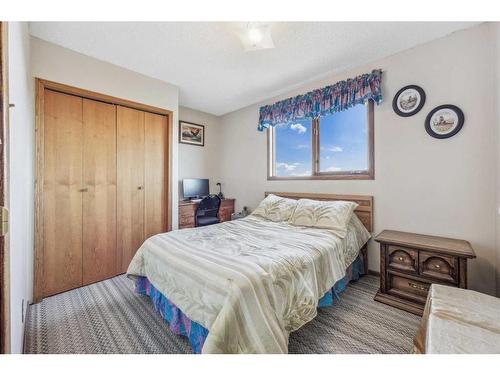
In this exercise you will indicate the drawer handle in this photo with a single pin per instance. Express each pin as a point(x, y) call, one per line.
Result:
point(83, 190)
point(400, 259)
point(437, 266)
point(419, 287)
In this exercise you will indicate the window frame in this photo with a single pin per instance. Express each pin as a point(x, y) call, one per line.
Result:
point(368, 174)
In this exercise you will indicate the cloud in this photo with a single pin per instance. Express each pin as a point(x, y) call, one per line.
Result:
point(332, 148)
point(332, 169)
point(287, 167)
point(300, 147)
point(301, 129)
point(302, 174)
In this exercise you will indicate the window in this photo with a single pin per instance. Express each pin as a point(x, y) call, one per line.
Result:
point(336, 146)
point(292, 149)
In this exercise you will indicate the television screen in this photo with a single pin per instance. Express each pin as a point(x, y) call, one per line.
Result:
point(195, 187)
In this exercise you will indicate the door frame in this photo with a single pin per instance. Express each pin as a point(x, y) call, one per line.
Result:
point(4, 170)
point(40, 86)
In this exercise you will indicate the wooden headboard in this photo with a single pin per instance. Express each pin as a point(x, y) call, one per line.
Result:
point(364, 210)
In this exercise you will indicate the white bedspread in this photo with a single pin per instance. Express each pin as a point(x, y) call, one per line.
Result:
point(459, 321)
point(250, 282)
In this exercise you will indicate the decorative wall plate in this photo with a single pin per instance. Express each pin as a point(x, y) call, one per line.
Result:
point(444, 121)
point(408, 101)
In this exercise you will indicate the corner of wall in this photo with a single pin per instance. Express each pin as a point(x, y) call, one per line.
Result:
point(196, 161)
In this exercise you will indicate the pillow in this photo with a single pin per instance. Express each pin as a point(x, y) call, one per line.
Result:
point(357, 232)
point(275, 208)
point(332, 215)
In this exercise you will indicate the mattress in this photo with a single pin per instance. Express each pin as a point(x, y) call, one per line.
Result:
point(249, 282)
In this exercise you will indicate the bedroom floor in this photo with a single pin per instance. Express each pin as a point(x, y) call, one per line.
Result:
point(108, 317)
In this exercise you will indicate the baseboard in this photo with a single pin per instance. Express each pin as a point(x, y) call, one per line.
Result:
point(373, 273)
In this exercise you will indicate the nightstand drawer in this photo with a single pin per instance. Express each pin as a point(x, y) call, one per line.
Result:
point(225, 214)
point(440, 267)
point(408, 288)
point(183, 216)
point(402, 259)
point(187, 210)
point(186, 221)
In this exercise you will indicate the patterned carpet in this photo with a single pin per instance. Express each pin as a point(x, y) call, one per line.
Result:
point(108, 317)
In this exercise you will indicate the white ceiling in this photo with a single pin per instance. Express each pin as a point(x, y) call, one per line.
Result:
point(207, 62)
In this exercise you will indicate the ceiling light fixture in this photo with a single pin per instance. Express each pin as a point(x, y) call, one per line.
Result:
point(256, 36)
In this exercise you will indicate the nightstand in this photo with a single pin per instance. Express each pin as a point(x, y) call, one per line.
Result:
point(410, 263)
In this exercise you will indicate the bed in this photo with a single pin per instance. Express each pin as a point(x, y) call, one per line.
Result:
point(242, 286)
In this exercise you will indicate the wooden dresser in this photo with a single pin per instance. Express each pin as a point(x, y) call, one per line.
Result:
point(410, 263)
point(188, 208)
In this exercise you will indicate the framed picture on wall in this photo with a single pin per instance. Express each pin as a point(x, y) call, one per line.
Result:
point(408, 100)
point(191, 134)
point(444, 121)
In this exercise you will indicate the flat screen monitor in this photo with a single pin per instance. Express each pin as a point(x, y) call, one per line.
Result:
point(195, 187)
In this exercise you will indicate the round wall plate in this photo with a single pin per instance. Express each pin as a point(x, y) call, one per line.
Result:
point(408, 101)
point(444, 121)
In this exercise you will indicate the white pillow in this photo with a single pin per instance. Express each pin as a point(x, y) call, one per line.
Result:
point(332, 215)
point(275, 208)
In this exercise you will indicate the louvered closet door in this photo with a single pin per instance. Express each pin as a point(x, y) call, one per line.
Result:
point(99, 197)
point(62, 198)
point(156, 172)
point(130, 193)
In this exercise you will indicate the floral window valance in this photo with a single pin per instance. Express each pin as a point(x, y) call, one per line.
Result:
point(324, 101)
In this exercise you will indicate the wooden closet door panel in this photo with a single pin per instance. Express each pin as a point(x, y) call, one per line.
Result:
point(156, 172)
point(99, 199)
point(62, 199)
point(130, 188)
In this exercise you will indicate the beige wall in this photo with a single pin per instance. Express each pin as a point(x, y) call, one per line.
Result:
point(21, 178)
point(422, 184)
point(196, 161)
